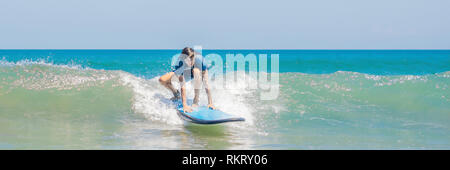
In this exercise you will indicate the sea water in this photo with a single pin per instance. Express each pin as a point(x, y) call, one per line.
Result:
point(328, 99)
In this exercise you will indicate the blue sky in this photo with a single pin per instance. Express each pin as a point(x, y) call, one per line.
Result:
point(230, 24)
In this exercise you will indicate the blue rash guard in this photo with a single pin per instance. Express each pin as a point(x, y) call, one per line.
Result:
point(181, 69)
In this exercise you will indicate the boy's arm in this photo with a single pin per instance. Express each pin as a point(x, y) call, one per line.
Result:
point(207, 89)
point(186, 108)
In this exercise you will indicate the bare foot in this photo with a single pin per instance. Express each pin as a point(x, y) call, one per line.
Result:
point(176, 96)
point(210, 106)
point(194, 105)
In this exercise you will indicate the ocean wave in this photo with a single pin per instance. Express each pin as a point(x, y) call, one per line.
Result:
point(146, 96)
point(321, 96)
point(73, 102)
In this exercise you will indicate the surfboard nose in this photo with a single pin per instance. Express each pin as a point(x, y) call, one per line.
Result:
point(205, 115)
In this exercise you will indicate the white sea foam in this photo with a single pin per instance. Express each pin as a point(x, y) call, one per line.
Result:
point(152, 99)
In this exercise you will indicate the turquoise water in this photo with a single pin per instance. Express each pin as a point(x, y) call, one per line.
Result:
point(328, 99)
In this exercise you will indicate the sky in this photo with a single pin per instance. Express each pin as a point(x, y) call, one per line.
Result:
point(227, 24)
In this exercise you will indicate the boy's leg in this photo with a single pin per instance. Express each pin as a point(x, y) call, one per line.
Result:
point(166, 81)
point(197, 85)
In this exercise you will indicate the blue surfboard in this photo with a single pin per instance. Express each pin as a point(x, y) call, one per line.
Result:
point(204, 115)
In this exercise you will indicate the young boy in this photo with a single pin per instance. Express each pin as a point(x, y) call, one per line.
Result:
point(190, 66)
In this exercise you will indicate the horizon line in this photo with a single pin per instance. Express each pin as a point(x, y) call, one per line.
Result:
point(227, 49)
